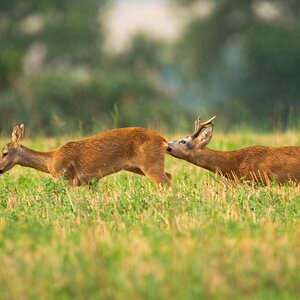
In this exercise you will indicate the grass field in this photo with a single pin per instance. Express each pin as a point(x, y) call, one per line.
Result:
point(126, 239)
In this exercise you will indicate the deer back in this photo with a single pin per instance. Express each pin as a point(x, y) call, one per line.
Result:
point(257, 163)
point(111, 151)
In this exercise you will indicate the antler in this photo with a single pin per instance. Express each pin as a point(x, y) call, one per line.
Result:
point(199, 126)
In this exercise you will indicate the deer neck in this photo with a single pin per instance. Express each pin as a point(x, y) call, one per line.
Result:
point(215, 161)
point(34, 159)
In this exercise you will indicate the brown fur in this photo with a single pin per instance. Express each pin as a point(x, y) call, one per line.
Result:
point(135, 150)
point(257, 164)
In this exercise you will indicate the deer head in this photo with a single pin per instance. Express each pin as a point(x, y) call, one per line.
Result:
point(9, 154)
point(197, 141)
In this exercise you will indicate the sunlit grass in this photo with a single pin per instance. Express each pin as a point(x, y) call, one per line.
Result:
point(126, 239)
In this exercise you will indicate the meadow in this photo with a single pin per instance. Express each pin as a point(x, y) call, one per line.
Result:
point(123, 238)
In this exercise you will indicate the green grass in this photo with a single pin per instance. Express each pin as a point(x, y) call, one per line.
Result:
point(126, 239)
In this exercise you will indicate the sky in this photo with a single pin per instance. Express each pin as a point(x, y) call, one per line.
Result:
point(158, 18)
point(152, 16)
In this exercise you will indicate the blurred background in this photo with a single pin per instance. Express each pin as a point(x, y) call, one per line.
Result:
point(85, 66)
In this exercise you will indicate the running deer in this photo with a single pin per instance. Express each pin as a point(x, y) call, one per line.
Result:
point(136, 150)
point(258, 164)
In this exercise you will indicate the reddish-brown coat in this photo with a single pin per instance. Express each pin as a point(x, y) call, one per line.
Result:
point(259, 164)
point(137, 150)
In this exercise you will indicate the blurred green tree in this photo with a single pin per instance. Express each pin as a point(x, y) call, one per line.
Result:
point(147, 96)
point(245, 55)
point(47, 47)
point(57, 76)
point(67, 32)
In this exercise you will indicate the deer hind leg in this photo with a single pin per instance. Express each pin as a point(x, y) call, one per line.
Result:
point(140, 172)
point(155, 171)
point(169, 175)
point(158, 176)
point(135, 170)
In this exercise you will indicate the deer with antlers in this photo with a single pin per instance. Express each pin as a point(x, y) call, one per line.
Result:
point(136, 150)
point(258, 164)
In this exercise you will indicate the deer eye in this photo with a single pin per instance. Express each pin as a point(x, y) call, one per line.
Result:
point(182, 142)
point(5, 154)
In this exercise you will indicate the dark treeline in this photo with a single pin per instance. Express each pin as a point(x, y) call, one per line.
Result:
point(245, 56)
point(240, 61)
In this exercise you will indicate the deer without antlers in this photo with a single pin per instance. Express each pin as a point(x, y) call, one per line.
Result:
point(259, 164)
point(136, 150)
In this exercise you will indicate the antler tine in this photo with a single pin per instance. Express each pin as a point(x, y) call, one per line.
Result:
point(209, 121)
point(199, 126)
point(197, 122)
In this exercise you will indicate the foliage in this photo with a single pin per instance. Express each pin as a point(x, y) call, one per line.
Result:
point(63, 81)
point(236, 61)
point(246, 58)
point(60, 103)
point(125, 238)
point(68, 30)
point(39, 37)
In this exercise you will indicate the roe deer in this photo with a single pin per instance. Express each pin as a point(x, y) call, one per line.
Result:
point(136, 150)
point(258, 164)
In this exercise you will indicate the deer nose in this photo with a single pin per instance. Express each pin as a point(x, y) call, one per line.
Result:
point(169, 149)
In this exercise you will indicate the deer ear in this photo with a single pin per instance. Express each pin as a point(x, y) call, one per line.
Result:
point(18, 134)
point(206, 136)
